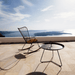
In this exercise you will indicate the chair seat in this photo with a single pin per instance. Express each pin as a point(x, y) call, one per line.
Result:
point(32, 41)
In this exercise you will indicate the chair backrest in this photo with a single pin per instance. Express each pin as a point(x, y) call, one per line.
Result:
point(25, 33)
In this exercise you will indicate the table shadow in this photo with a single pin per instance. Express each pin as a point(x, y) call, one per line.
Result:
point(36, 73)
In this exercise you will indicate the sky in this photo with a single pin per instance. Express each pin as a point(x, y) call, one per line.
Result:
point(37, 14)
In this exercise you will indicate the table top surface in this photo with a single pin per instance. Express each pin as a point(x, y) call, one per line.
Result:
point(52, 46)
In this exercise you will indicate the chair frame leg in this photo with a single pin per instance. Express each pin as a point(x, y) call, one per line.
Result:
point(26, 48)
point(52, 59)
point(23, 46)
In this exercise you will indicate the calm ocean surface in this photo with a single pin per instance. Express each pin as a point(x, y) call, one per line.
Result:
point(35, 33)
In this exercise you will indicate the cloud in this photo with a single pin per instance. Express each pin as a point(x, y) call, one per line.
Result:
point(25, 20)
point(17, 9)
point(66, 15)
point(37, 21)
point(27, 2)
point(18, 16)
point(47, 8)
point(12, 17)
point(2, 6)
point(47, 20)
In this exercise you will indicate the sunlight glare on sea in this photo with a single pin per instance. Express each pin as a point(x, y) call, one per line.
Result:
point(72, 31)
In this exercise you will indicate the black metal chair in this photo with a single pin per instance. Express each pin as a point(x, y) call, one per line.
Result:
point(28, 40)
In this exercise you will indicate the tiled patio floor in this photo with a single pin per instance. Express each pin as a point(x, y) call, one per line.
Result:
point(13, 62)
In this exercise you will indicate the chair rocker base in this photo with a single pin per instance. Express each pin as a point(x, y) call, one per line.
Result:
point(26, 48)
point(32, 51)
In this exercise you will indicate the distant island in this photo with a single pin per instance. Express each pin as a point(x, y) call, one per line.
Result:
point(32, 33)
point(50, 33)
point(1, 35)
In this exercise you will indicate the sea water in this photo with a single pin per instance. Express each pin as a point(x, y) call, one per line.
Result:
point(36, 33)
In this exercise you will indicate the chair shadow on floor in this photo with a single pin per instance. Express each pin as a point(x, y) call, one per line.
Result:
point(7, 62)
point(11, 61)
point(20, 56)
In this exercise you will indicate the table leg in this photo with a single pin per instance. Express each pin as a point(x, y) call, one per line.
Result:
point(47, 61)
point(52, 59)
